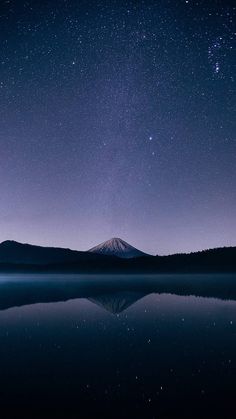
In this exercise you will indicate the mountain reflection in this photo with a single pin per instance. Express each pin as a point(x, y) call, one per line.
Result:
point(113, 293)
point(27, 294)
point(117, 302)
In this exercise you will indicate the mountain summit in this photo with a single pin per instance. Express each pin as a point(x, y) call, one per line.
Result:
point(117, 247)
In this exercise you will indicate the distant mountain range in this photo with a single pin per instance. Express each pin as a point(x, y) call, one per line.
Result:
point(113, 256)
point(21, 253)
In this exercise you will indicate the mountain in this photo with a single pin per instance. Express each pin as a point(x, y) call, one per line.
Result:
point(114, 256)
point(12, 252)
point(117, 247)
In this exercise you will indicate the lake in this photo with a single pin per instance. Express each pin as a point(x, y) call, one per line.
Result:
point(80, 346)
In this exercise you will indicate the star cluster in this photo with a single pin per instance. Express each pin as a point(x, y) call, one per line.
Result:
point(118, 119)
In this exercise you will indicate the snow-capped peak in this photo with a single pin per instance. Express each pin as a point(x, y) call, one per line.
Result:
point(117, 247)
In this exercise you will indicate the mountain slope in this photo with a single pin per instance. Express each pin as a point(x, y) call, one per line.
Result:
point(18, 257)
point(117, 247)
point(20, 253)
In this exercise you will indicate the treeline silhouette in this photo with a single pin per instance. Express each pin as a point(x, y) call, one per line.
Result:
point(17, 257)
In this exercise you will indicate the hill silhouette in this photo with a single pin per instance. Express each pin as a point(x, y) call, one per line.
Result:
point(18, 257)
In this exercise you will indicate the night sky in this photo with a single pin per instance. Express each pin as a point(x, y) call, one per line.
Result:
point(117, 118)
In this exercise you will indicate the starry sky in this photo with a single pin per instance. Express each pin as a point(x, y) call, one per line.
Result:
point(117, 118)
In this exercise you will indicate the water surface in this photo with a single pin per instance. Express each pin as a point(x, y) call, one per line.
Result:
point(81, 347)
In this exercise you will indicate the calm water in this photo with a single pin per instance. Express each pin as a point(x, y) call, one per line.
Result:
point(85, 347)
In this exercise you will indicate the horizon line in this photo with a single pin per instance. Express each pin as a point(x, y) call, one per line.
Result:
point(88, 251)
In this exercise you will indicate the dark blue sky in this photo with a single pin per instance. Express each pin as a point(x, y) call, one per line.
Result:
point(117, 118)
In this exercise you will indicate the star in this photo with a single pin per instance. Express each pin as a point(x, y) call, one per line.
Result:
point(93, 96)
point(217, 68)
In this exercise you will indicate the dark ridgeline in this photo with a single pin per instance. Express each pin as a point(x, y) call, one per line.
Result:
point(18, 257)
